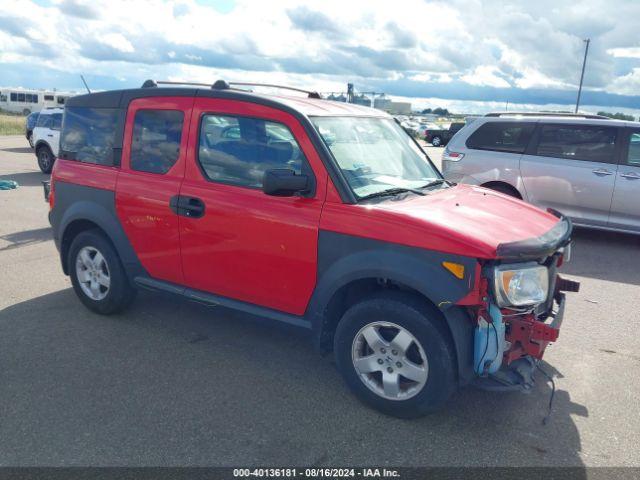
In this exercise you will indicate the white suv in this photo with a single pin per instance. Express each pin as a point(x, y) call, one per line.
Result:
point(46, 137)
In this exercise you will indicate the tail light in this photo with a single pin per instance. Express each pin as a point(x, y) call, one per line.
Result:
point(49, 195)
point(452, 156)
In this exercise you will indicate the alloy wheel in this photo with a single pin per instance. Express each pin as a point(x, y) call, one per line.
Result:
point(44, 159)
point(92, 272)
point(390, 360)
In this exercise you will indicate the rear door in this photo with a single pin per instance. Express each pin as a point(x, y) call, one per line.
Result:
point(153, 165)
point(572, 168)
point(54, 134)
point(244, 244)
point(625, 207)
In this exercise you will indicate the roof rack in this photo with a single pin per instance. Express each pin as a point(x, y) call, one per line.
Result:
point(223, 85)
point(546, 114)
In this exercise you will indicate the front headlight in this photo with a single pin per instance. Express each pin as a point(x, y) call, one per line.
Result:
point(521, 285)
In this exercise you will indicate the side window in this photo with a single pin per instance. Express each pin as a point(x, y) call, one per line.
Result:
point(88, 134)
point(44, 121)
point(501, 137)
point(155, 146)
point(633, 157)
point(13, 96)
point(238, 150)
point(593, 144)
point(56, 121)
point(48, 97)
point(21, 97)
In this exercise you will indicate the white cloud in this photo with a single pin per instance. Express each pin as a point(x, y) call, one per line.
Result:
point(630, 52)
point(117, 41)
point(486, 76)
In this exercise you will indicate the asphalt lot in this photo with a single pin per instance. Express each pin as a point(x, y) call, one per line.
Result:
point(176, 383)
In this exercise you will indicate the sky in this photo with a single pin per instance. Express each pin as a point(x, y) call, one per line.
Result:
point(471, 56)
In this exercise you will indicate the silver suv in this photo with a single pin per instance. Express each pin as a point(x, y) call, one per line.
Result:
point(585, 166)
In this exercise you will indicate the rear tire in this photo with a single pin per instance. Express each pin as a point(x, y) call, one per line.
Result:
point(45, 159)
point(436, 141)
point(97, 274)
point(371, 369)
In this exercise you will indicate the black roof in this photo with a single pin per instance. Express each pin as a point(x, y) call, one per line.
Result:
point(306, 106)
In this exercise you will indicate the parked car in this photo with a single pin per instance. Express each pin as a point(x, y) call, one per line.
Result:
point(585, 166)
point(46, 137)
point(326, 216)
point(29, 125)
point(440, 137)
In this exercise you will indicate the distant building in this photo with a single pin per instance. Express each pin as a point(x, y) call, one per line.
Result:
point(400, 108)
point(362, 100)
point(389, 106)
point(382, 103)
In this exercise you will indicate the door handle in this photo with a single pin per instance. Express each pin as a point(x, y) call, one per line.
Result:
point(191, 207)
point(602, 172)
point(631, 175)
point(49, 135)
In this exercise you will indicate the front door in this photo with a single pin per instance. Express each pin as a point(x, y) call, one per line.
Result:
point(153, 165)
point(625, 207)
point(241, 243)
point(572, 168)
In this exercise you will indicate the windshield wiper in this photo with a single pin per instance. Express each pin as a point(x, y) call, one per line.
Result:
point(435, 183)
point(392, 191)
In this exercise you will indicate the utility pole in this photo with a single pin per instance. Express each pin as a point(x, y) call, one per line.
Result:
point(584, 64)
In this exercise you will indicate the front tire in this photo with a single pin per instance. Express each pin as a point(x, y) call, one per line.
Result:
point(97, 275)
point(393, 352)
point(30, 138)
point(45, 159)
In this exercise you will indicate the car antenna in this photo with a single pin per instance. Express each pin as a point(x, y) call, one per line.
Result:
point(85, 83)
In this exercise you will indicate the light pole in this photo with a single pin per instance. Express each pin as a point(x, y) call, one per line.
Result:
point(584, 64)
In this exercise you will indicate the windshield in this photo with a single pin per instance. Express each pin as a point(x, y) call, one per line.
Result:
point(375, 154)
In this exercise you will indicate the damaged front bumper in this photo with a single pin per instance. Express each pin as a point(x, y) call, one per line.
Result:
point(526, 338)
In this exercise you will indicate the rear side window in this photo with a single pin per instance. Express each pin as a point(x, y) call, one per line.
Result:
point(56, 121)
point(501, 137)
point(594, 144)
point(238, 150)
point(633, 157)
point(88, 134)
point(44, 121)
point(156, 140)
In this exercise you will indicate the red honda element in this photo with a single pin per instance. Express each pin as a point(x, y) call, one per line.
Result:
point(320, 214)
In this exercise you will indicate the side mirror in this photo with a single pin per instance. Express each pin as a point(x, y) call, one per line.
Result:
point(282, 182)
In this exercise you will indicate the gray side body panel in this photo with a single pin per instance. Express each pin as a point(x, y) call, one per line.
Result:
point(343, 259)
point(78, 202)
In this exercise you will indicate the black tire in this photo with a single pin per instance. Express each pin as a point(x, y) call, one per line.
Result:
point(30, 139)
point(503, 188)
point(45, 159)
point(426, 324)
point(436, 141)
point(120, 293)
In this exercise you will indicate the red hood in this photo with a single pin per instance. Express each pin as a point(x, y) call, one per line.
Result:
point(464, 220)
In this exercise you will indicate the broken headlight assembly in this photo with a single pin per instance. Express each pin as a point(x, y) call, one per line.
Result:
point(520, 285)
